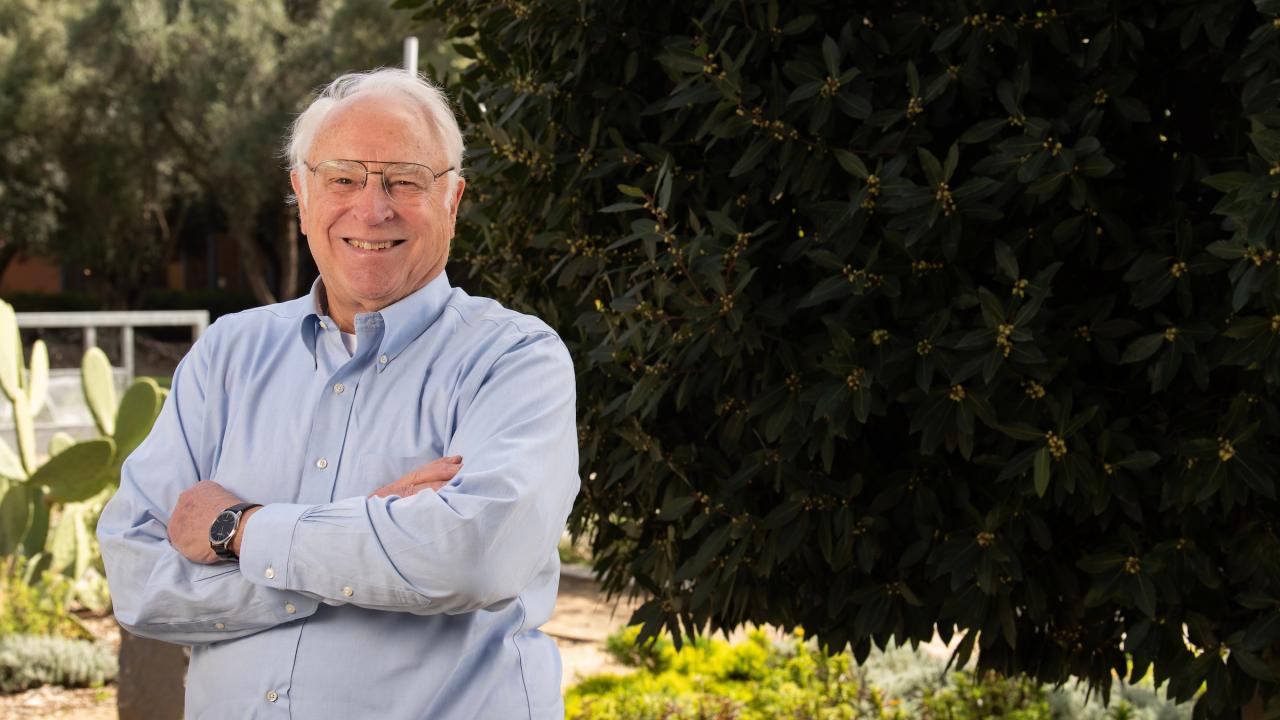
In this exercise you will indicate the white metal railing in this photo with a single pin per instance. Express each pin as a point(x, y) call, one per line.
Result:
point(126, 320)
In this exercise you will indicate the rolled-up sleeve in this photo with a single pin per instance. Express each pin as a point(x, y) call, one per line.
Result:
point(155, 591)
point(478, 541)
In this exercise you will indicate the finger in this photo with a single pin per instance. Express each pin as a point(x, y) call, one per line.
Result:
point(420, 484)
point(433, 486)
point(436, 473)
point(432, 470)
point(404, 487)
point(387, 490)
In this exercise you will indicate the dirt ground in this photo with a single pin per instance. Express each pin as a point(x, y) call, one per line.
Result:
point(583, 619)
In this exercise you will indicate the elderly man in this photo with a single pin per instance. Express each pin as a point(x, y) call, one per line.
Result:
point(350, 504)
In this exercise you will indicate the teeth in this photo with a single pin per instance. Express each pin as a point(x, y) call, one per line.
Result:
point(370, 245)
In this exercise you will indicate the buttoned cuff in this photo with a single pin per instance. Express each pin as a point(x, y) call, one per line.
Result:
point(265, 550)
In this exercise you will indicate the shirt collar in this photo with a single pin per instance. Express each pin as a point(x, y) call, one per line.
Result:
point(393, 327)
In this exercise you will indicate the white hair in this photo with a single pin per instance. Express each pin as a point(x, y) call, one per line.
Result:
point(422, 93)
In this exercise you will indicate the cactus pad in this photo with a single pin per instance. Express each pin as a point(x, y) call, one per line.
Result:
point(138, 410)
point(99, 389)
point(10, 351)
point(78, 472)
point(38, 378)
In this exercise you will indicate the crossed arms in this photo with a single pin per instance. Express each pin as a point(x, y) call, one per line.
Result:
point(477, 540)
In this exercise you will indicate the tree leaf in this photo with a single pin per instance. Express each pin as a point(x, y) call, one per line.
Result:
point(851, 163)
point(1041, 471)
point(751, 157)
point(983, 131)
point(1142, 348)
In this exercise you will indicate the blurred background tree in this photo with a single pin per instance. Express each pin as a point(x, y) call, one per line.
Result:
point(32, 58)
point(124, 123)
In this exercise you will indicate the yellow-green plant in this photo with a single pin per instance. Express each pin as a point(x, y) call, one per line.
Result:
point(757, 679)
point(34, 603)
point(75, 477)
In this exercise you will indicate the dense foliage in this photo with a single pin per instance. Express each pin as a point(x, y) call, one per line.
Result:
point(935, 314)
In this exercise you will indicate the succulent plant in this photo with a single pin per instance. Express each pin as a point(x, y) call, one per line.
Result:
point(77, 475)
point(28, 661)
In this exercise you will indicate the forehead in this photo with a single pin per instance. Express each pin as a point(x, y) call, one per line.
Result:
point(377, 126)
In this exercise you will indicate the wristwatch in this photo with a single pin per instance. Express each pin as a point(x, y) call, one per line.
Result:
point(224, 528)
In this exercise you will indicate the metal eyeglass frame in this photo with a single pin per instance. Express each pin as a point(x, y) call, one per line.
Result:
point(367, 172)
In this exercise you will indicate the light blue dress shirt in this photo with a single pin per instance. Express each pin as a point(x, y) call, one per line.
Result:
point(345, 606)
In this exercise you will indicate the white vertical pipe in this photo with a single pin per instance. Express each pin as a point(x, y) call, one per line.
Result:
point(411, 54)
point(126, 352)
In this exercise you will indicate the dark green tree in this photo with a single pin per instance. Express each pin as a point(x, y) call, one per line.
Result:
point(904, 317)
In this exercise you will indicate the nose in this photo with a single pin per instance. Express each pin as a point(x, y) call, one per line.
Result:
point(373, 207)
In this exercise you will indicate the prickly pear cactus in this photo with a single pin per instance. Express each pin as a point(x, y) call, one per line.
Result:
point(99, 388)
point(25, 387)
point(15, 512)
point(37, 377)
point(137, 413)
point(75, 479)
point(11, 363)
point(59, 442)
point(78, 472)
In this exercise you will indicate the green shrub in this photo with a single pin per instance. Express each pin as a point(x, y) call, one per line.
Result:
point(54, 302)
point(792, 678)
point(217, 302)
point(573, 551)
point(35, 605)
point(752, 680)
point(28, 661)
point(654, 654)
point(903, 316)
point(989, 696)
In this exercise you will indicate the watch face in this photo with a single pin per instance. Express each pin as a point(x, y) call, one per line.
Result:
point(223, 526)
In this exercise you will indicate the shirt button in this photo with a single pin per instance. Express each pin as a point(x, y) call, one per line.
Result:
point(289, 608)
point(272, 696)
point(348, 591)
point(383, 359)
point(338, 388)
point(270, 573)
point(323, 326)
point(220, 626)
point(322, 463)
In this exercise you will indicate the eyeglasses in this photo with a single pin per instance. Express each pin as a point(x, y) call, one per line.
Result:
point(404, 182)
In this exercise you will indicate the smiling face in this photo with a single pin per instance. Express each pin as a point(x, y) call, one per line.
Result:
point(371, 251)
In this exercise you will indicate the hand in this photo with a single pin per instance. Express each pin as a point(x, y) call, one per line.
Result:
point(432, 476)
point(192, 516)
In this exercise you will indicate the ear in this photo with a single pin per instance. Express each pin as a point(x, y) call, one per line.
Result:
point(456, 200)
point(296, 181)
